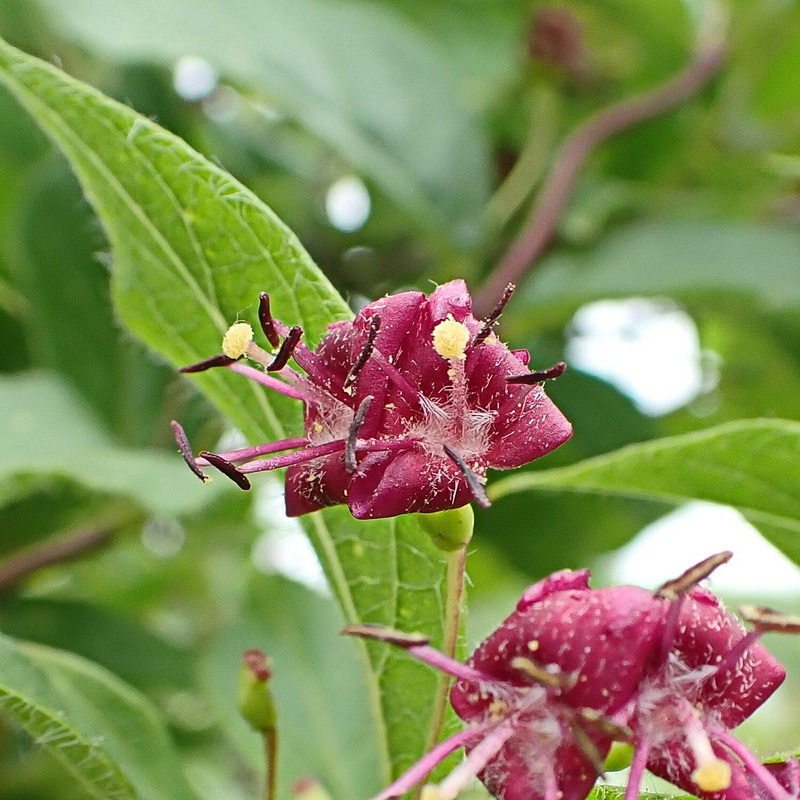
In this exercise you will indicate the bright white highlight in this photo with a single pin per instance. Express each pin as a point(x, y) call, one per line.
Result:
point(347, 204)
point(283, 548)
point(695, 531)
point(648, 349)
point(163, 537)
point(194, 78)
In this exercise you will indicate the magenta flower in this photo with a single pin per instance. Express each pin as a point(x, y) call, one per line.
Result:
point(539, 716)
point(406, 407)
point(708, 676)
point(573, 668)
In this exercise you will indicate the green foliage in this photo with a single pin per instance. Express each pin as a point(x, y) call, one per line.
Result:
point(106, 735)
point(303, 57)
point(750, 465)
point(191, 248)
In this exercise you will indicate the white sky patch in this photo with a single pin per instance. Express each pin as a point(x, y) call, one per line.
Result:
point(223, 104)
point(665, 548)
point(648, 349)
point(283, 548)
point(163, 537)
point(194, 78)
point(348, 204)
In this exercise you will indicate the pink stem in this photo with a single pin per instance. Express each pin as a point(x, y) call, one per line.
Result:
point(488, 747)
point(298, 457)
point(430, 655)
point(757, 769)
point(412, 776)
point(637, 770)
point(373, 445)
point(735, 653)
point(395, 376)
point(258, 450)
point(320, 375)
point(266, 380)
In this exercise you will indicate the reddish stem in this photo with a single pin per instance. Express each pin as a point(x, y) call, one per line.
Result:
point(541, 224)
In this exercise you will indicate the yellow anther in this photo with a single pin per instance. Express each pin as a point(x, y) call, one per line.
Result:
point(450, 338)
point(497, 708)
point(236, 340)
point(713, 776)
point(430, 792)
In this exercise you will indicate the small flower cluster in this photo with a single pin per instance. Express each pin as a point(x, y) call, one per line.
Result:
point(574, 669)
point(406, 407)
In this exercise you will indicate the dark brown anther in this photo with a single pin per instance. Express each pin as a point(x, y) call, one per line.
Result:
point(227, 469)
point(363, 356)
point(266, 321)
point(215, 361)
point(767, 619)
point(350, 461)
point(286, 350)
point(380, 633)
point(473, 481)
point(673, 589)
point(186, 450)
point(491, 320)
point(540, 376)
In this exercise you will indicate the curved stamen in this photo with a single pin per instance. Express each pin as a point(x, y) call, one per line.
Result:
point(478, 758)
point(419, 771)
point(220, 360)
point(290, 459)
point(677, 589)
point(378, 445)
point(540, 376)
point(261, 377)
point(417, 646)
point(186, 450)
point(756, 768)
point(473, 481)
point(287, 348)
point(366, 352)
point(226, 468)
point(733, 655)
point(266, 320)
point(491, 320)
point(637, 769)
point(244, 453)
point(350, 462)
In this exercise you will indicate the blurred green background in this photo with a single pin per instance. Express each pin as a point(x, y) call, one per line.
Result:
point(404, 141)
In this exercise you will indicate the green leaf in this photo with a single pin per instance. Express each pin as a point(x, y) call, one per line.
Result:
point(751, 465)
point(618, 793)
point(104, 637)
point(323, 711)
point(107, 735)
point(71, 329)
point(689, 260)
point(355, 74)
point(50, 434)
point(192, 248)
